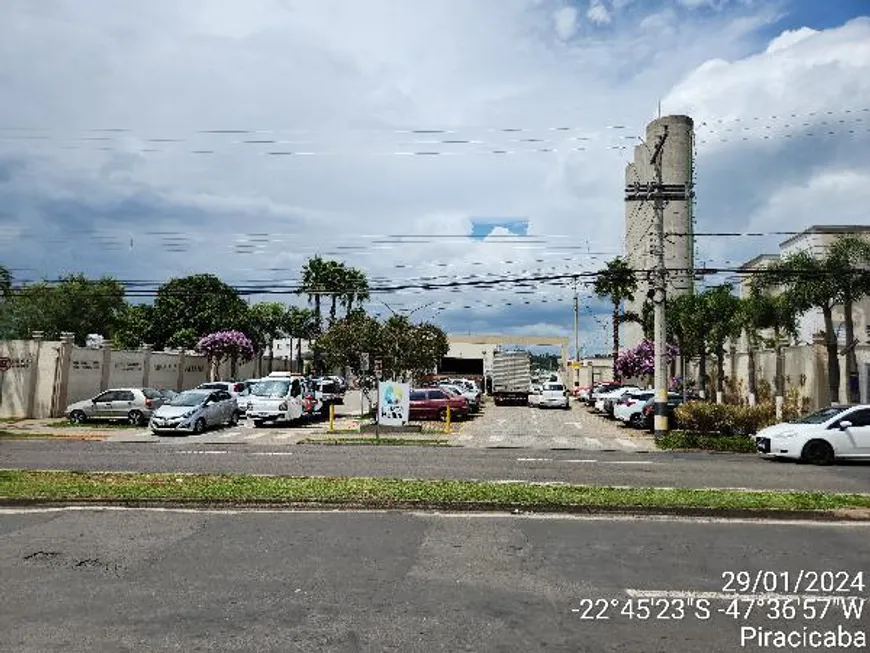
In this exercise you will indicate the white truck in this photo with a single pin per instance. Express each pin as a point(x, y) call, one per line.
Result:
point(511, 377)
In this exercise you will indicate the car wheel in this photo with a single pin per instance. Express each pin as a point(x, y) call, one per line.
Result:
point(199, 426)
point(818, 452)
point(634, 421)
point(135, 418)
point(234, 418)
point(442, 414)
point(78, 417)
point(258, 423)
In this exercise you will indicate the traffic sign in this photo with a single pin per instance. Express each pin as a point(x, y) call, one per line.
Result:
point(5, 364)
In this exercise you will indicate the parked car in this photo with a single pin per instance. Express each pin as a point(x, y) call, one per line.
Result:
point(600, 389)
point(535, 394)
point(611, 398)
point(463, 391)
point(194, 411)
point(132, 405)
point(432, 403)
point(601, 398)
point(328, 392)
point(554, 395)
point(276, 399)
point(167, 393)
point(582, 392)
point(242, 397)
point(233, 387)
point(836, 432)
point(648, 411)
point(629, 409)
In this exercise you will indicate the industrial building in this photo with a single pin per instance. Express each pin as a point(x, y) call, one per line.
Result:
point(640, 230)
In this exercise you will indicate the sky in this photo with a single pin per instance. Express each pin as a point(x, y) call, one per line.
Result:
point(425, 142)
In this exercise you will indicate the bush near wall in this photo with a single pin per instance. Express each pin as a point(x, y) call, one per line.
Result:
point(724, 419)
point(707, 442)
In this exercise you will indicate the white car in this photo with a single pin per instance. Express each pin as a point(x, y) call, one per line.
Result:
point(821, 437)
point(535, 395)
point(601, 399)
point(193, 411)
point(554, 395)
point(629, 409)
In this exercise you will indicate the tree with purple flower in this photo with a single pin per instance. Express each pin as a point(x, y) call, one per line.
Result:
point(221, 345)
point(639, 362)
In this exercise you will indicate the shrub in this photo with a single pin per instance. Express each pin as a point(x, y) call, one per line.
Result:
point(764, 391)
point(708, 418)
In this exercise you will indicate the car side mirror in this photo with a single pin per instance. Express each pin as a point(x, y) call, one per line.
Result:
point(845, 424)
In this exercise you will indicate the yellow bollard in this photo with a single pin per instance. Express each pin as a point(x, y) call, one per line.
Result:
point(331, 418)
point(447, 423)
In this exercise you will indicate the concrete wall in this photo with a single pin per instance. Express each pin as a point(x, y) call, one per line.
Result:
point(591, 371)
point(804, 368)
point(45, 377)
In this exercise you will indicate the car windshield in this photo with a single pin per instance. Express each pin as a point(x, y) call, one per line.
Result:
point(189, 399)
point(151, 393)
point(274, 388)
point(818, 417)
point(212, 386)
point(554, 386)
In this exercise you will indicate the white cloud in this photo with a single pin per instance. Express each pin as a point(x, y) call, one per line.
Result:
point(338, 78)
point(566, 22)
point(789, 38)
point(598, 13)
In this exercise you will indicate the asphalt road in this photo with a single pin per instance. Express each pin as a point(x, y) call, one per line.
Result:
point(137, 580)
point(662, 469)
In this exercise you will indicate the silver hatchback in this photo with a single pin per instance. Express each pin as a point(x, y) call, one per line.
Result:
point(132, 405)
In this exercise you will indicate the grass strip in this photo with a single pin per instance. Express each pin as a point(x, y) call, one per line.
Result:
point(64, 424)
point(384, 492)
point(36, 435)
point(390, 441)
point(676, 440)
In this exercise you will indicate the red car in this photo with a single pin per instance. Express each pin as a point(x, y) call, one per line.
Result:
point(432, 403)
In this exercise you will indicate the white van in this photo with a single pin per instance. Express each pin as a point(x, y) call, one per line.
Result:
point(276, 399)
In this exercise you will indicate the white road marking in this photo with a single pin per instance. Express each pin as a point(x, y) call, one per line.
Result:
point(610, 462)
point(271, 453)
point(201, 452)
point(533, 460)
point(496, 438)
point(255, 436)
point(626, 443)
point(286, 436)
point(578, 425)
point(560, 441)
point(595, 442)
point(579, 460)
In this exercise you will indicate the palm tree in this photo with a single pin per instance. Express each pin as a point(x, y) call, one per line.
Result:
point(336, 282)
point(268, 321)
point(849, 257)
point(315, 275)
point(356, 290)
point(812, 283)
point(616, 282)
point(722, 306)
point(300, 324)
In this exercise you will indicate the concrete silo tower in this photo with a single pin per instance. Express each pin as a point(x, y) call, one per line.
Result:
point(640, 229)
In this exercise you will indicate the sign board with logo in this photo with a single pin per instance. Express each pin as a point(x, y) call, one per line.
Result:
point(394, 403)
point(364, 362)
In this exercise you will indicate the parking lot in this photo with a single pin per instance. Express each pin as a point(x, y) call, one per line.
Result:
point(550, 428)
point(522, 427)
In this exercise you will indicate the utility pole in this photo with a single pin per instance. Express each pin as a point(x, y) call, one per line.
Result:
point(576, 323)
point(661, 361)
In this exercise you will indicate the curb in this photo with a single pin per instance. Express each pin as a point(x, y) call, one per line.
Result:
point(839, 516)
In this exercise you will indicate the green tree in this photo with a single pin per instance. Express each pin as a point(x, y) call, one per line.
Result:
point(356, 290)
point(346, 340)
point(267, 322)
point(721, 309)
point(188, 308)
point(300, 324)
point(684, 316)
point(74, 304)
point(5, 282)
point(849, 259)
point(618, 283)
point(134, 327)
point(811, 283)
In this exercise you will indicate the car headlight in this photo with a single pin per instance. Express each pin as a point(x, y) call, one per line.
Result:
point(188, 414)
point(785, 435)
